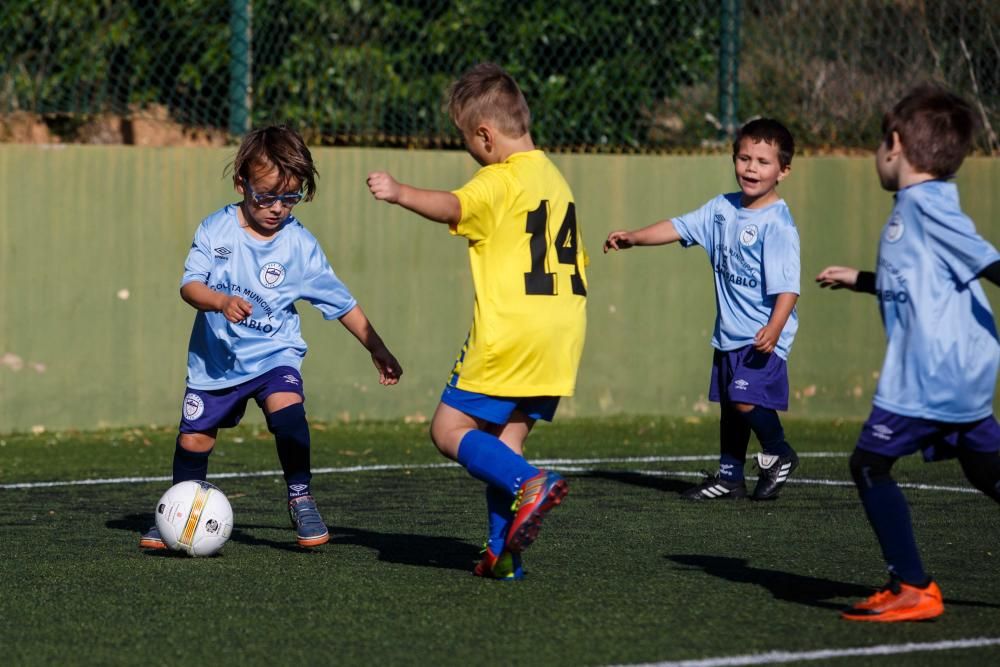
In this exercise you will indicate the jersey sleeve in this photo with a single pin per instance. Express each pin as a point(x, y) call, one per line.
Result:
point(198, 265)
point(781, 261)
point(960, 247)
point(695, 228)
point(480, 198)
point(322, 288)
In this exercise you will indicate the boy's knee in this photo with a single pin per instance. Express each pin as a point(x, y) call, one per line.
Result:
point(196, 443)
point(982, 470)
point(869, 469)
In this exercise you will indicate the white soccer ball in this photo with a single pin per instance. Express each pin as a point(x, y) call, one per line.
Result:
point(194, 517)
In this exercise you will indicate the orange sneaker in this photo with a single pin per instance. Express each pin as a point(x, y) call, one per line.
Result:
point(897, 601)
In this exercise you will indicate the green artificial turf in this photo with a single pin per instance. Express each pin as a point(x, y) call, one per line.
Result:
point(623, 572)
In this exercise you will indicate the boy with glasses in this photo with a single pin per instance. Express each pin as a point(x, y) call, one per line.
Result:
point(249, 263)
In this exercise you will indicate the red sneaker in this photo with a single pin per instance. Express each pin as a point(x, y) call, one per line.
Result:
point(534, 500)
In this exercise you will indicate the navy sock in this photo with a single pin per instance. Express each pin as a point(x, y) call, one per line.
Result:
point(499, 514)
point(734, 436)
point(889, 516)
point(767, 427)
point(488, 459)
point(291, 437)
point(188, 465)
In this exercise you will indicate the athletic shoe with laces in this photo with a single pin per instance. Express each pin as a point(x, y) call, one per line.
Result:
point(505, 567)
point(713, 487)
point(151, 539)
point(534, 500)
point(898, 601)
point(309, 527)
point(774, 472)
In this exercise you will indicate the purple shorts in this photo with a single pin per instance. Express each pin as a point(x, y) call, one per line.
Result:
point(208, 409)
point(748, 376)
point(498, 409)
point(889, 434)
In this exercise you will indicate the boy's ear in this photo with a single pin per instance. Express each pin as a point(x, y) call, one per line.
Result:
point(485, 134)
point(896, 148)
point(783, 172)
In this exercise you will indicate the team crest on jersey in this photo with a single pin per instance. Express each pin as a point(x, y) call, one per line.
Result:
point(894, 230)
point(749, 235)
point(194, 407)
point(272, 274)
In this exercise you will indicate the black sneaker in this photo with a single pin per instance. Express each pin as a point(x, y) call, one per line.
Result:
point(774, 472)
point(716, 488)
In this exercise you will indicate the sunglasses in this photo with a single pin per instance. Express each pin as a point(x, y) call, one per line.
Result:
point(267, 199)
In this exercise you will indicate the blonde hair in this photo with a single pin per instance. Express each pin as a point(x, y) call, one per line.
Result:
point(486, 92)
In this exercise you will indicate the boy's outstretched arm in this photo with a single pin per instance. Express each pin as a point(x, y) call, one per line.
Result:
point(357, 323)
point(844, 277)
point(436, 205)
point(658, 233)
point(767, 338)
point(203, 297)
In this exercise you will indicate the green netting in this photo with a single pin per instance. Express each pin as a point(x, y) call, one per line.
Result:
point(606, 75)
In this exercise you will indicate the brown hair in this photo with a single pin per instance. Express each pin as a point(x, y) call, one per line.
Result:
point(771, 132)
point(279, 146)
point(487, 92)
point(935, 126)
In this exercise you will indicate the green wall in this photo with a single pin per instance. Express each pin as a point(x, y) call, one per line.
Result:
point(80, 224)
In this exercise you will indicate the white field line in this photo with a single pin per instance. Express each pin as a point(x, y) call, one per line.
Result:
point(564, 465)
point(776, 657)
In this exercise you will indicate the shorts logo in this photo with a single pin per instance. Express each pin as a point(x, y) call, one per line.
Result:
point(194, 407)
point(719, 219)
point(741, 385)
point(882, 432)
point(290, 379)
point(749, 235)
point(894, 230)
point(272, 274)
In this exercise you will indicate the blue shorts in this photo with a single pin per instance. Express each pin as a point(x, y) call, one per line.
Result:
point(889, 434)
point(498, 409)
point(748, 376)
point(208, 409)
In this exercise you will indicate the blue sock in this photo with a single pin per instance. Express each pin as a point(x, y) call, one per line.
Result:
point(291, 438)
point(188, 465)
point(734, 436)
point(889, 516)
point(499, 514)
point(767, 427)
point(489, 460)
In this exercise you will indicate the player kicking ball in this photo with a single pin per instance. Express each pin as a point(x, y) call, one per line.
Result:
point(935, 391)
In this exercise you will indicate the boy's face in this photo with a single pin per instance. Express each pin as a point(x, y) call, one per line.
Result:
point(758, 171)
point(888, 161)
point(267, 202)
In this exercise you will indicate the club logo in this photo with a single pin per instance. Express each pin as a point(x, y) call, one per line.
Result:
point(894, 230)
point(749, 235)
point(194, 407)
point(272, 274)
point(882, 432)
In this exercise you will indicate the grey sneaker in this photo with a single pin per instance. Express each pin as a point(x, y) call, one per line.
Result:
point(774, 472)
point(714, 487)
point(151, 539)
point(310, 529)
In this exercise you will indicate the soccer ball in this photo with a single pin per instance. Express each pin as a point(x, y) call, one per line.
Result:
point(194, 517)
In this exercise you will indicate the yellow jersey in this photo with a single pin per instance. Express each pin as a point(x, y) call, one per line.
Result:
point(528, 268)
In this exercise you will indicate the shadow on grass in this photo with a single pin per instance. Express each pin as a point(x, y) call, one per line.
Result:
point(657, 482)
point(810, 591)
point(409, 549)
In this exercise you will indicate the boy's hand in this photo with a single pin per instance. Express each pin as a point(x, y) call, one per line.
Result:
point(236, 309)
point(838, 277)
point(389, 369)
point(766, 339)
point(619, 240)
point(383, 187)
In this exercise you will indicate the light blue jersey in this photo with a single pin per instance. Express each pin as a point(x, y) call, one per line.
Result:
point(943, 353)
point(755, 254)
point(271, 275)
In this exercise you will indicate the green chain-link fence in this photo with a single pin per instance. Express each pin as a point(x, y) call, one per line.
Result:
point(604, 75)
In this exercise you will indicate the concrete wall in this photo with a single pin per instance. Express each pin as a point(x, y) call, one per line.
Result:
point(93, 240)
